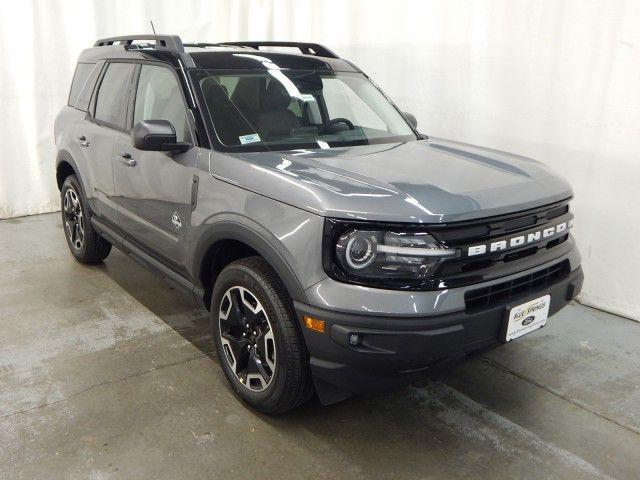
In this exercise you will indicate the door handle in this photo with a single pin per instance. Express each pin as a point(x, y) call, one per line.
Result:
point(127, 160)
point(83, 141)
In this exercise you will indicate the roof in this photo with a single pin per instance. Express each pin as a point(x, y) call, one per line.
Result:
point(229, 55)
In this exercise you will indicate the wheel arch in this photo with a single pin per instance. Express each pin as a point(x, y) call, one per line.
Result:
point(65, 166)
point(228, 241)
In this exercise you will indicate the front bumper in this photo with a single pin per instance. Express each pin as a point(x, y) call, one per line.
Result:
point(394, 349)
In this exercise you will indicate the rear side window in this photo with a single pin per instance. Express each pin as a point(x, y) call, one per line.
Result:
point(110, 101)
point(84, 79)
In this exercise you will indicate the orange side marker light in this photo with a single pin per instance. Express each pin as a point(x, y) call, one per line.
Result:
point(314, 324)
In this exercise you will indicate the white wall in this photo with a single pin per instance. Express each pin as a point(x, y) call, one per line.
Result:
point(555, 80)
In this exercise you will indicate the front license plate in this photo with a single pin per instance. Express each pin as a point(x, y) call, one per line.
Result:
point(526, 318)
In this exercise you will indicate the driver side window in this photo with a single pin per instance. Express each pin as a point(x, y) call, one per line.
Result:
point(159, 98)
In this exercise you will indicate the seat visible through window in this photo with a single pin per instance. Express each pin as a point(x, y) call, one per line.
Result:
point(275, 120)
point(229, 124)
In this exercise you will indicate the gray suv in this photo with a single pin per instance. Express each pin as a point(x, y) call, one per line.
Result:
point(338, 250)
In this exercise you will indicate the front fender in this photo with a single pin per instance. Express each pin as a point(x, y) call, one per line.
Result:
point(256, 237)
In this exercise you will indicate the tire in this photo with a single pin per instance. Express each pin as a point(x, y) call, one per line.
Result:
point(83, 241)
point(278, 347)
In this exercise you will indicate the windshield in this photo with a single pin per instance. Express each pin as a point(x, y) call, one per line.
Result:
point(291, 109)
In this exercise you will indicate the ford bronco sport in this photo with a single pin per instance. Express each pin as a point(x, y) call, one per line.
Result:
point(338, 250)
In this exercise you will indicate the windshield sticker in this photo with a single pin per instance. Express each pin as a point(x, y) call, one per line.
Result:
point(253, 138)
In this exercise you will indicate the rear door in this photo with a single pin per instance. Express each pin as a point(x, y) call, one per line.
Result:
point(97, 133)
point(153, 189)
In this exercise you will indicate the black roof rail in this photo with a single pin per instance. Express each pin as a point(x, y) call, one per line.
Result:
point(203, 44)
point(306, 48)
point(174, 44)
point(163, 42)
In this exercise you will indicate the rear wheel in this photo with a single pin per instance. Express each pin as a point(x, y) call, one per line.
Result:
point(85, 244)
point(259, 345)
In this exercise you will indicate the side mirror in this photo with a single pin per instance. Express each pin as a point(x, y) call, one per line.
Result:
point(409, 117)
point(157, 136)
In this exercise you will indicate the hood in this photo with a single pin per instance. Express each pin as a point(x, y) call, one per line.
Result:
point(428, 181)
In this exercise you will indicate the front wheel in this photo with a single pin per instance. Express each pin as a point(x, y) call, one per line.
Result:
point(258, 342)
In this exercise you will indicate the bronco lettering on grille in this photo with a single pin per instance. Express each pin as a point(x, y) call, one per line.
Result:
point(519, 240)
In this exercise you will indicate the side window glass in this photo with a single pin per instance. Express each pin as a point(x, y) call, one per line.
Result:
point(84, 98)
point(159, 98)
point(110, 102)
point(84, 80)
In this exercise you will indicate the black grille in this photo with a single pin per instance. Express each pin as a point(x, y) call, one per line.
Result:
point(467, 270)
point(462, 233)
point(500, 292)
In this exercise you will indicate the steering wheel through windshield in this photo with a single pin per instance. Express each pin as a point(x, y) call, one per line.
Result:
point(346, 121)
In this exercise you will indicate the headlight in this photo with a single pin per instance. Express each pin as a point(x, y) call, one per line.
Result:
point(358, 249)
point(390, 258)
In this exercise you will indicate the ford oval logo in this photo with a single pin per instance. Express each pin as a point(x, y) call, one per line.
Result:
point(528, 320)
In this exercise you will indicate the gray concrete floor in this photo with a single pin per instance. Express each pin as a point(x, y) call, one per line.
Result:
point(106, 372)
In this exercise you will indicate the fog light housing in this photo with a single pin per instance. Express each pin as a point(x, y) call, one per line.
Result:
point(354, 339)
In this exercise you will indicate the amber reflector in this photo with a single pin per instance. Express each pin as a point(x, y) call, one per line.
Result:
point(314, 324)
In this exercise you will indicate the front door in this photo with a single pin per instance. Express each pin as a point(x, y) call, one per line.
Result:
point(153, 189)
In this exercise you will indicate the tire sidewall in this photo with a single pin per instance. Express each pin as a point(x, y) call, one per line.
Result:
point(240, 275)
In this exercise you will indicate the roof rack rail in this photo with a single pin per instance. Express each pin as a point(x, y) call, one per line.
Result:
point(305, 48)
point(163, 42)
point(203, 44)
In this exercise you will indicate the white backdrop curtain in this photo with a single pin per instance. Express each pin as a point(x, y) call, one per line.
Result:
point(558, 81)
